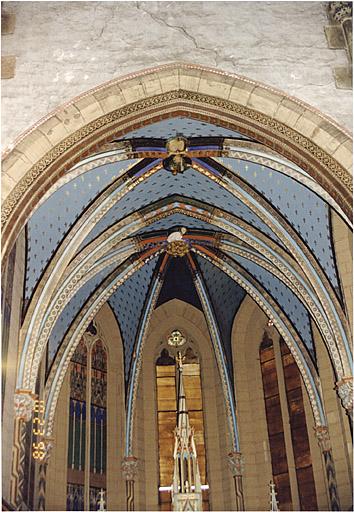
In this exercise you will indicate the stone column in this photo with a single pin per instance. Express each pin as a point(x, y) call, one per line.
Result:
point(130, 469)
point(235, 461)
point(23, 405)
point(48, 442)
point(345, 392)
point(324, 443)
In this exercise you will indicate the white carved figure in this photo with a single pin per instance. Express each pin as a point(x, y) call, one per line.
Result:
point(176, 235)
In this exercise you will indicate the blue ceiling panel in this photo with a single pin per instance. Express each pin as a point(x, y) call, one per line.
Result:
point(178, 220)
point(127, 303)
point(178, 284)
point(53, 219)
point(189, 128)
point(191, 184)
point(308, 214)
point(72, 309)
point(226, 297)
point(287, 300)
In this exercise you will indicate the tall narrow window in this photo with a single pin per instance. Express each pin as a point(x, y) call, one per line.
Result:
point(275, 425)
point(98, 423)
point(298, 427)
point(166, 419)
point(77, 429)
point(87, 463)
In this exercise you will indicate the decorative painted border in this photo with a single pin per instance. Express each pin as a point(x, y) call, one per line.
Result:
point(324, 168)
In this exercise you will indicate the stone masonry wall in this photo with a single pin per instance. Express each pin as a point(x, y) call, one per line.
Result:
point(62, 49)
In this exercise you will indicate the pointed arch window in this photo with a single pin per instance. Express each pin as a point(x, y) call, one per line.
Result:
point(271, 368)
point(166, 418)
point(87, 438)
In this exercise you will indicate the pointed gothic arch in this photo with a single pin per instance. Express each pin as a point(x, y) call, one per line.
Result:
point(199, 93)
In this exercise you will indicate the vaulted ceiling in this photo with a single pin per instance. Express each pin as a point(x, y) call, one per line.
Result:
point(240, 203)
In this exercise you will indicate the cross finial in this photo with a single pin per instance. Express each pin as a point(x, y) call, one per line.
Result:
point(179, 360)
point(101, 500)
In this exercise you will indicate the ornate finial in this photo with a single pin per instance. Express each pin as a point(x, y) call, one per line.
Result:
point(176, 339)
point(345, 392)
point(130, 467)
point(322, 434)
point(101, 502)
point(236, 463)
point(179, 360)
point(273, 498)
point(24, 404)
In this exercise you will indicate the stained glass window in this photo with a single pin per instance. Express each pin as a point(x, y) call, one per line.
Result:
point(83, 421)
point(298, 428)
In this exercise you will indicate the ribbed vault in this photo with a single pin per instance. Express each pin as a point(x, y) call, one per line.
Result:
point(254, 220)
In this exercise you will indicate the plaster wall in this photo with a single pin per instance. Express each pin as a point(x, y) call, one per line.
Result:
point(65, 48)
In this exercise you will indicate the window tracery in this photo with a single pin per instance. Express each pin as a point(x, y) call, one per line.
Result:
point(88, 385)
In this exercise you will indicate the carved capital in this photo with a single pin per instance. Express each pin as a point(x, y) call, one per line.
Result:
point(48, 447)
point(23, 404)
point(340, 11)
point(345, 392)
point(130, 467)
point(322, 434)
point(236, 463)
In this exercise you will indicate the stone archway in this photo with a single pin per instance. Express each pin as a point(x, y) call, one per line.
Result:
point(47, 150)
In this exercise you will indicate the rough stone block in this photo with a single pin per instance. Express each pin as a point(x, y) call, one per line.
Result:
point(8, 22)
point(8, 66)
point(343, 77)
point(288, 112)
point(335, 37)
point(133, 92)
point(151, 85)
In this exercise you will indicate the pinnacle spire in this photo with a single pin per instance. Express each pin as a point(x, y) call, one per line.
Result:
point(186, 488)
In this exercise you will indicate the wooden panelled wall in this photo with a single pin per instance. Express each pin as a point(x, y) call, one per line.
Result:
point(298, 427)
